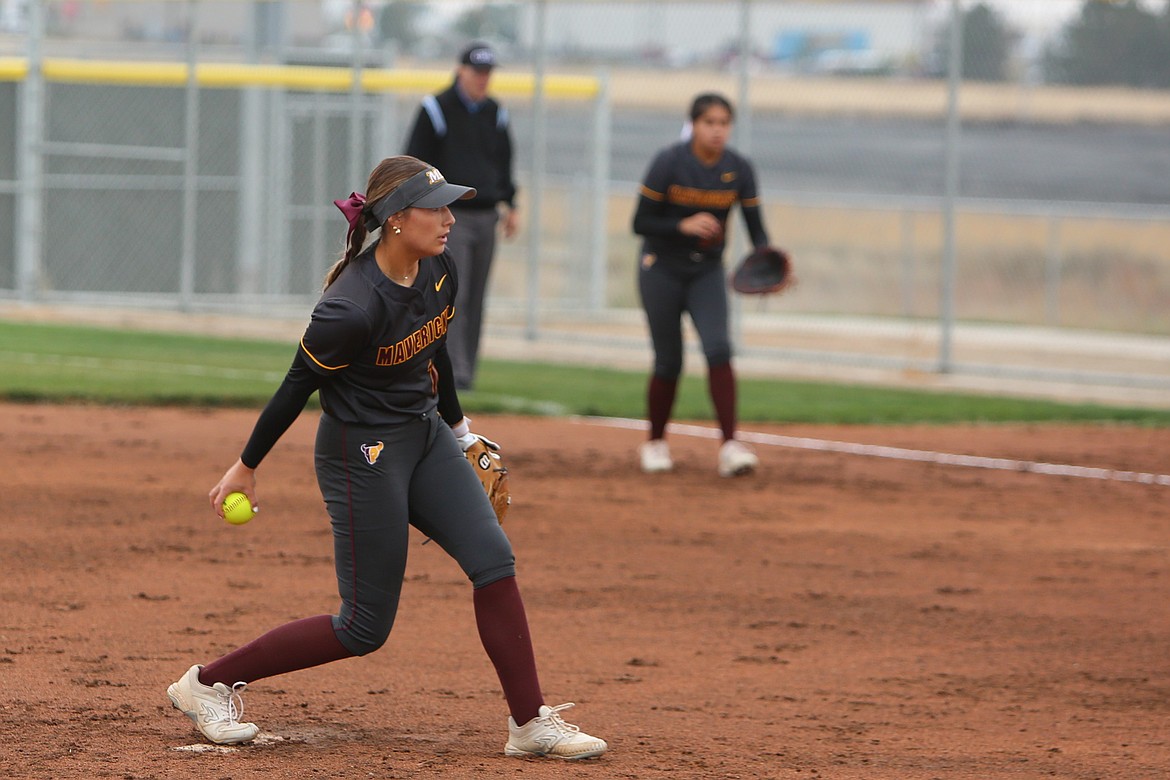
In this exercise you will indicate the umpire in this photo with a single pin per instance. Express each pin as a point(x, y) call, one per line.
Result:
point(465, 133)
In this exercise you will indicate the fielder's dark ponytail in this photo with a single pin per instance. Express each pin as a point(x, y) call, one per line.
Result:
point(357, 237)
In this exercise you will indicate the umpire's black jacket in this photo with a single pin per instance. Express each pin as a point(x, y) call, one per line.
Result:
point(472, 148)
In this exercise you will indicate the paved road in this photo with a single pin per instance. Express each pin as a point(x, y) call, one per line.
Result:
point(865, 157)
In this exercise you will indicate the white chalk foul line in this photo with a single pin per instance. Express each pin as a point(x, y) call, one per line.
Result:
point(899, 453)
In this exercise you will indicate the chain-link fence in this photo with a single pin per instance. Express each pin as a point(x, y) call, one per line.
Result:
point(953, 203)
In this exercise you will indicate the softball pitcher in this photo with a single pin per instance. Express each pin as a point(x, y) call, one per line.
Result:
point(682, 213)
point(388, 455)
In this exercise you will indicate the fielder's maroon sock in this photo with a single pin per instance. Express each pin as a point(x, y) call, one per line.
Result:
point(659, 403)
point(721, 385)
point(503, 629)
point(296, 645)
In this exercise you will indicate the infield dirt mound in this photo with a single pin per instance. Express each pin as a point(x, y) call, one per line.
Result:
point(831, 617)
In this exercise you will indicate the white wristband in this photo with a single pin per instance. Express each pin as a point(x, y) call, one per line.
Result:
point(461, 428)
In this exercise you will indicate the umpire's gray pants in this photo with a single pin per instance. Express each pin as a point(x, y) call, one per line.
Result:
point(418, 476)
point(472, 244)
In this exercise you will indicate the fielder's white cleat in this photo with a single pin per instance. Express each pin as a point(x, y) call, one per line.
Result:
point(655, 456)
point(548, 735)
point(736, 459)
point(215, 709)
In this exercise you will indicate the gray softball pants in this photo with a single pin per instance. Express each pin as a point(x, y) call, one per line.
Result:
point(379, 480)
point(668, 289)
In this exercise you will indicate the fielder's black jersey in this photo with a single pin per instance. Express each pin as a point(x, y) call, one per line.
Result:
point(372, 341)
point(678, 185)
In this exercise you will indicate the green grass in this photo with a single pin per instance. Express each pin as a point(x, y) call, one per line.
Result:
point(97, 365)
point(62, 363)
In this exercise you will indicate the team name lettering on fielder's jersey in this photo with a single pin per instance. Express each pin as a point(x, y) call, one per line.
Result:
point(410, 346)
point(701, 199)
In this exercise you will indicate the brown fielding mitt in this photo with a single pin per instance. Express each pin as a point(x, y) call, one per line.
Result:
point(764, 270)
point(492, 473)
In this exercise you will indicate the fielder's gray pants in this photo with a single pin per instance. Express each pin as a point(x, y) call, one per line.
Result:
point(472, 244)
point(669, 288)
point(418, 477)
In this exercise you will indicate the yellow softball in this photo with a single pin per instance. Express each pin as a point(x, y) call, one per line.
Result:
point(237, 509)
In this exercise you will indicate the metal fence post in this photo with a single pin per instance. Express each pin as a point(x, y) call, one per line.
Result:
point(279, 198)
point(1052, 272)
point(356, 157)
point(321, 261)
point(908, 263)
point(744, 77)
point(190, 163)
point(598, 249)
point(30, 162)
point(536, 186)
point(743, 140)
point(947, 283)
point(251, 192)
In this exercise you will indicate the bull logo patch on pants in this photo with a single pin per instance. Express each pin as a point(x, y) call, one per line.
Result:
point(372, 451)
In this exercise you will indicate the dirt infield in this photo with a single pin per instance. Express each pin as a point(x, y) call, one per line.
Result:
point(834, 616)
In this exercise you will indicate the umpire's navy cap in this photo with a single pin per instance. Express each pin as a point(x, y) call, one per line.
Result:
point(479, 56)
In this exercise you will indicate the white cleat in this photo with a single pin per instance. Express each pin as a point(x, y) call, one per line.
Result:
point(215, 709)
point(655, 456)
point(548, 735)
point(736, 459)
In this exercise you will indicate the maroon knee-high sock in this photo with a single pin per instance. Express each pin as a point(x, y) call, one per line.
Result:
point(296, 645)
point(503, 629)
point(721, 385)
point(659, 403)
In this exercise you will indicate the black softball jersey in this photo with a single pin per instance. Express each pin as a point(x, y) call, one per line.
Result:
point(678, 185)
point(374, 350)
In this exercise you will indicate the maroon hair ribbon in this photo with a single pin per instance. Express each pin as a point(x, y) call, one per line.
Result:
point(351, 207)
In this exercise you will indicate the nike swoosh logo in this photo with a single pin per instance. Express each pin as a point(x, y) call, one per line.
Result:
point(439, 284)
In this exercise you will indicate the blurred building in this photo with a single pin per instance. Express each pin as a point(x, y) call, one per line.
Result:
point(805, 36)
point(264, 23)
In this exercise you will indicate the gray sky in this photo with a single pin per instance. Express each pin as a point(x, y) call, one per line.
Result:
point(1041, 15)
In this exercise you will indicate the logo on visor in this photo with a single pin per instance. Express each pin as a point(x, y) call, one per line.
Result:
point(434, 177)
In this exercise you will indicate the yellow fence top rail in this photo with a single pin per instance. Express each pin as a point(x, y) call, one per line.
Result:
point(300, 77)
point(13, 69)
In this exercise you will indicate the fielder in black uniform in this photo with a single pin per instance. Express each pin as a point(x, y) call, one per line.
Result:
point(682, 213)
point(389, 454)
